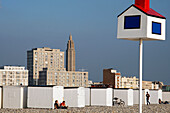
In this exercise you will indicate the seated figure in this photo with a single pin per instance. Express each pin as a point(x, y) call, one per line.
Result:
point(63, 105)
point(56, 105)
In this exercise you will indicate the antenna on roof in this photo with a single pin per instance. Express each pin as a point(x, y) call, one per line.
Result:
point(82, 70)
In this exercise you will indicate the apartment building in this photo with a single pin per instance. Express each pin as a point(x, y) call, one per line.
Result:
point(152, 85)
point(39, 58)
point(63, 78)
point(112, 77)
point(129, 82)
point(13, 76)
point(46, 67)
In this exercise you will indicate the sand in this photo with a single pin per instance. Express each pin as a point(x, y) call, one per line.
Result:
point(96, 109)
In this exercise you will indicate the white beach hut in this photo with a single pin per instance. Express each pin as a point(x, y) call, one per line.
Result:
point(136, 96)
point(44, 97)
point(125, 94)
point(1, 98)
point(14, 97)
point(87, 96)
point(74, 96)
point(101, 96)
point(155, 95)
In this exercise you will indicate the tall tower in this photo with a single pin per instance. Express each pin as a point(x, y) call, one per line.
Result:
point(70, 55)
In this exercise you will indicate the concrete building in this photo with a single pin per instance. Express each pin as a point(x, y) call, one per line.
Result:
point(63, 78)
point(111, 77)
point(70, 55)
point(152, 85)
point(147, 85)
point(129, 82)
point(13, 75)
point(133, 83)
point(39, 58)
point(47, 67)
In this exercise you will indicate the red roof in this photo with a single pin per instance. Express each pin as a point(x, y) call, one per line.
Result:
point(149, 12)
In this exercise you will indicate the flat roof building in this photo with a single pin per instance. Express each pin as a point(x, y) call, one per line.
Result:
point(13, 75)
point(39, 58)
point(63, 78)
point(46, 67)
point(111, 77)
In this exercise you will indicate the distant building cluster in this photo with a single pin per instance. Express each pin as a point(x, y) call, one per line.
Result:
point(13, 75)
point(112, 78)
point(46, 67)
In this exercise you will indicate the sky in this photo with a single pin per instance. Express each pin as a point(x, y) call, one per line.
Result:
point(27, 24)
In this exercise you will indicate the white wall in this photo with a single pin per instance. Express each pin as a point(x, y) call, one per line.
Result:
point(125, 94)
point(165, 96)
point(74, 97)
point(101, 96)
point(155, 95)
point(1, 98)
point(136, 96)
point(14, 97)
point(44, 97)
point(87, 96)
point(58, 94)
point(130, 97)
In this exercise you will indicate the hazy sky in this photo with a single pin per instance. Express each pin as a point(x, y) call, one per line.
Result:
point(27, 24)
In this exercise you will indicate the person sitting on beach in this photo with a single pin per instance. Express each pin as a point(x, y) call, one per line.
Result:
point(160, 102)
point(63, 105)
point(166, 102)
point(56, 105)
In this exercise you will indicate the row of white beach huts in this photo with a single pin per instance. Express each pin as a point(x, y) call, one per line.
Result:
point(44, 97)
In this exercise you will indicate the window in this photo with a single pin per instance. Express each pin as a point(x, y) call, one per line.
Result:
point(132, 22)
point(156, 28)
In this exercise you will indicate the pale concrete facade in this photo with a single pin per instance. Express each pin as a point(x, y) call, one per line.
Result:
point(152, 85)
point(63, 78)
point(70, 55)
point(39, 58)
point(13, 76)
point(133, 83)
point(129, 82)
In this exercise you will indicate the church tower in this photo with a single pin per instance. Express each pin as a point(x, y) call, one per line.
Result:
point(70, 55)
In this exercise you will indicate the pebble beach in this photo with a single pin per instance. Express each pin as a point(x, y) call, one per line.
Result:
point(96, 109)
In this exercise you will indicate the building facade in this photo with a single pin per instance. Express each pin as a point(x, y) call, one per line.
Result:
point(13, 76)
point(39, 58)
point(46, 67)
point(152, 85)
point(129, 82)
point(111, 77)
point(70, 55)
point(114, 78)
point(63, 78)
